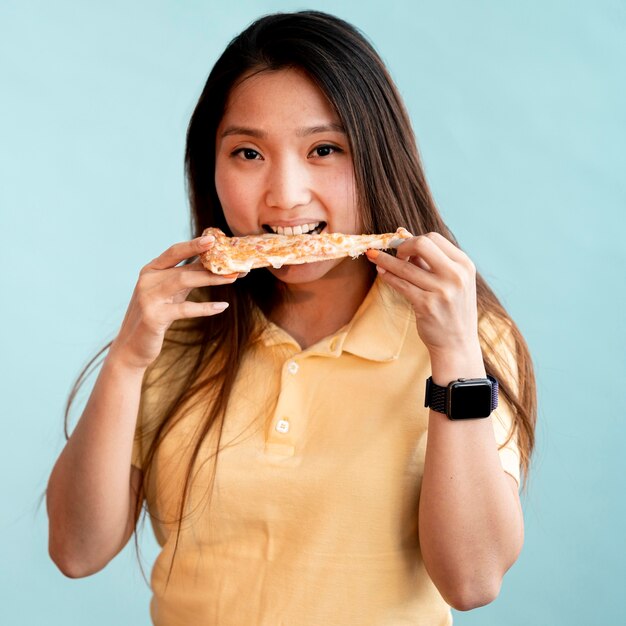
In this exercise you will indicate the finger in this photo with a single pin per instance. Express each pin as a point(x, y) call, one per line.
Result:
point(192, 263)
point(180, 252)
point(188, 309)
point(173, 280)
point(426, 249)
point(455, 253)
point(189, 266)
point(185, 278)
point(416, 260)
point(411, 291)
point(409, 272)
point(197, 266)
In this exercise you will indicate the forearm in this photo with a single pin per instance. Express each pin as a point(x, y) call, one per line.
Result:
point(470, 520)
point(90, 497)
point(89, 489)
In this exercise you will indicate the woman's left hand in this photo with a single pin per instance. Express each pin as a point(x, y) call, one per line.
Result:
point(439, 280)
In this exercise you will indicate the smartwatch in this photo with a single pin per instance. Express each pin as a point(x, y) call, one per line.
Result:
point(465, 398)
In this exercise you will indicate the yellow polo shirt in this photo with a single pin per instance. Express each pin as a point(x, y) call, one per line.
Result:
point(313, 515)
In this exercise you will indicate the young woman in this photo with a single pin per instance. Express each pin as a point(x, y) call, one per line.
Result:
point(274, 423)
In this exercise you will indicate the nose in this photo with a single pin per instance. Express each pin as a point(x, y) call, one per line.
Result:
point(288, 184)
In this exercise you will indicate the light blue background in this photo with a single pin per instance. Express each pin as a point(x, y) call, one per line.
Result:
point(520, 113)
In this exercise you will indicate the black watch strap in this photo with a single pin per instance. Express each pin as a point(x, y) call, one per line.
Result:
point(437, 396)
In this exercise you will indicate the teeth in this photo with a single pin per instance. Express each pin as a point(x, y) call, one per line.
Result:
point(295, 230)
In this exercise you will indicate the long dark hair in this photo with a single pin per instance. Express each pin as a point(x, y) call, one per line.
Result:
point(392, 191)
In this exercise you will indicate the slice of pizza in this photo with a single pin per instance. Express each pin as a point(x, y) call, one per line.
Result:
point(241, 254)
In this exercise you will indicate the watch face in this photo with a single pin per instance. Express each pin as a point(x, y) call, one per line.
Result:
point(469, 399)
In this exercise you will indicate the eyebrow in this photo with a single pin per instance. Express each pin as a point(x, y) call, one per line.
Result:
point(300, 132)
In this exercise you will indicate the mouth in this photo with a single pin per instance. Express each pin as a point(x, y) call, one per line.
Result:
point(313, 228)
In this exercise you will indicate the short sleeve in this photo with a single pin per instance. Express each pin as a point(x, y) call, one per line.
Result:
point(503, 417)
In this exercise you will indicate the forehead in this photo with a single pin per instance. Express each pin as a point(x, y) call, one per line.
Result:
point(277, 97)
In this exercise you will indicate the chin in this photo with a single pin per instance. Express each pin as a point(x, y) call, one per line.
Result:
point(307, 272)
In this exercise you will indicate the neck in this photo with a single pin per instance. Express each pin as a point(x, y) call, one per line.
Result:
point(311, 311)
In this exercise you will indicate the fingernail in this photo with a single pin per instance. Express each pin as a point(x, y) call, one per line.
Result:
point(372, 254)
point(380, 270)
point(206, 239)
point(220, 306)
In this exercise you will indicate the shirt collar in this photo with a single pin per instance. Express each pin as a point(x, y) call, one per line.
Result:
point(380, 325)
point(376, 332)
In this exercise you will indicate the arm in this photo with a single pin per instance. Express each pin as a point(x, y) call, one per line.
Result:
point(470, 518)
point(90, 497)
point(91, 491)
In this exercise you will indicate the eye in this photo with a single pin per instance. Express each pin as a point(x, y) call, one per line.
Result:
point(246, 153)
point(325, 150)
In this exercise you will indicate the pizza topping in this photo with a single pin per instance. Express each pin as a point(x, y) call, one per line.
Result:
point(241, 254)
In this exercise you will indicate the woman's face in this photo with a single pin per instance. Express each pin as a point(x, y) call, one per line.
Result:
point(283, 164)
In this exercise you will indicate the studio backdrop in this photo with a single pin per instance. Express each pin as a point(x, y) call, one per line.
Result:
point(519, 109)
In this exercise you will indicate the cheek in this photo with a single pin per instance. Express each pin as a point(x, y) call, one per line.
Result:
point(340, 192)
point(225, 185)
point(236, 198)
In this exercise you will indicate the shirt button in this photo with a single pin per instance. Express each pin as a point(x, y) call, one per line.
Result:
point(293, 367)
point(282, 426)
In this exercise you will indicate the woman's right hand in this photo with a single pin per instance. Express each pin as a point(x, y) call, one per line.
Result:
point(160, 298)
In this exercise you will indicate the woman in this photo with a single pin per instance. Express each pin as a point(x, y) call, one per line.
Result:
point(275, 425)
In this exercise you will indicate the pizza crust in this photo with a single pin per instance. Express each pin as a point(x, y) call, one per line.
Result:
point(242, 254)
